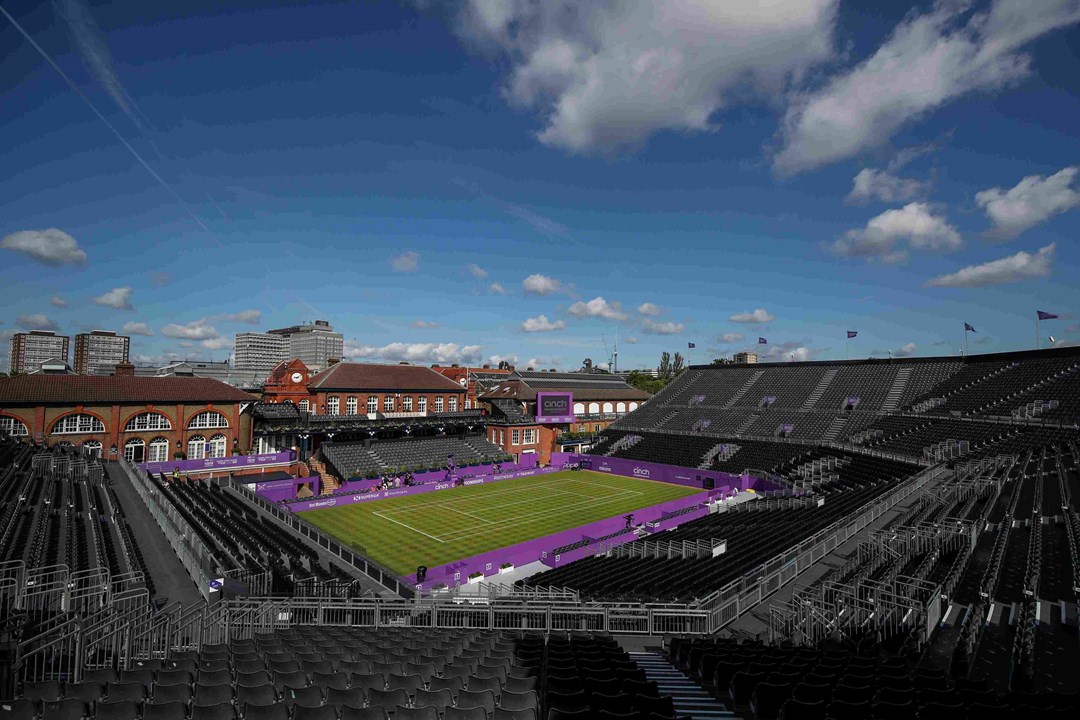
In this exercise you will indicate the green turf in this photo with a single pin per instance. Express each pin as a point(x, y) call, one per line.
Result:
point(436, 528)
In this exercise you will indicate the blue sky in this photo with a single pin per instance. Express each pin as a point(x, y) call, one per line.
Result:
point(464, 182)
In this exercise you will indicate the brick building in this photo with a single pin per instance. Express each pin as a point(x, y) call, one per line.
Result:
point(474, 380)
point(30, 349)
point(143, 418)
point(288, 382)
point(599, 399)
point(369, 388)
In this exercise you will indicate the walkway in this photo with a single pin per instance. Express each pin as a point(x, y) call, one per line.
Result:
point(690, 700)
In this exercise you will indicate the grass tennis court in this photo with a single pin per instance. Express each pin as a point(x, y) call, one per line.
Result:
point(436, 528)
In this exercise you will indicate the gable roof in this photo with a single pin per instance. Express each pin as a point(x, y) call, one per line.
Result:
point(521, 388)
point(92, 389)
point(374, 377)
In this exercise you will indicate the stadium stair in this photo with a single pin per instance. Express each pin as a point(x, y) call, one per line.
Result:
point(822, 386)
point(690, 700)
point(744, 389)
point(327, 482)
point(892, 400)
point(835, 427)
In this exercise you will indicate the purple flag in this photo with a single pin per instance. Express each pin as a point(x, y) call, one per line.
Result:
point(968, 328)
point(762, 341)
point(691, 346)
point(852, 333)
point(1045, 315)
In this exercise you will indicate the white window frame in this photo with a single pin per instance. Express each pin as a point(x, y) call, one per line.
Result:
point(350, 405)
point(620, 407)
point(609, 408)
point(453, 403)
point(304, 406)
point(372, 404)
point(92, 448)
point(77, 424)
point(129, 449)
point(219, 446)
point(594, 408)
point(406, 403)
point(515, 436)
point(633, 406)
point(579, 408)
point(13, 426)
point(439, 403)
point(421, 404)
point(333, 405)
point(530, 436)
point(196, 447)
point(388, 403)
point(208, 420)
point(157, 450)
point(147, 422)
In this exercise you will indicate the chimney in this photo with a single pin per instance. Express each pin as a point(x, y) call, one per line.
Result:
point(124, 369)
point(331, 362)
point(486, 367)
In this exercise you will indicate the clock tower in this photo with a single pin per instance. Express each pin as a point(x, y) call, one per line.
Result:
point(288, 382)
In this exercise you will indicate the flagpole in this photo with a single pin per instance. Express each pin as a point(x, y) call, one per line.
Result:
point(965, 340)
point(1037, 336)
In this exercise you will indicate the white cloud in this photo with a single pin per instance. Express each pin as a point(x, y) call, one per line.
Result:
point(598, 307)
point(407, 261)
point(538, 284)
point(652, 327)
point(540, 323)
point(789, 351)
point(496, 359)
point(251, 317)
point(1011, 269)
point(200, 329)
point(929, 60)
point(631, 340)
point(1035, 199)
point(905, 350)
point(732, 337)
point(873, 184)
point(36, 321)
point(649, 309)
point(604, 76)
point(425, 324)
point(162, 359)
point(497, 288)
point(51, 247)
point(477, 272)
point(136, 328)
point(218, 343)
point(58, 301)
point(117, 298)
point(760, 315)
point(884, 236)
point(416, 352)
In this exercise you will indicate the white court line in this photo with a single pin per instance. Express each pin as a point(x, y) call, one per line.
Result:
point(410, 527)
point(462, 512)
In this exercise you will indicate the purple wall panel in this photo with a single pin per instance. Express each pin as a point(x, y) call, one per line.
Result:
point(232, 462)
point(285, 489)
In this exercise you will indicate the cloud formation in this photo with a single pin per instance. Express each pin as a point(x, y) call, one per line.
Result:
point(477, 272)
point(540, 323)
point(49, 247)
point(36, 321)
point(58, 301)
point(497, 288)
point(407, 261)
point(884, 238)
point(117, 298)
point(425, 324)
point(873, 184)
point(1011, 269)
point(930, 59)
point(200, 329)
point(538, 284)
point(598, 307)
point(416, 352)
point(604, 76)
point(136, 328)
point(652, 327)
point(731, 337)
point(905, 350)
point(250, 317)
point(760, 315)
point(1033, 200)
point(649, 309)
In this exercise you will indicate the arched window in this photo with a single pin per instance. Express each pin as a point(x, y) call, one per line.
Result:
point(71, 424)
point(92, 448)
point(594, 408)
point(608, 407)
point(218, 446)
point(633, 406)
point(208, 419)
point(350, 405)
point(333, 406)
point(12, 427)
point(159, 450)
point(579, 408)
point(304, 405)
point(148, 421)
point(372, 405)
point(135, 450)
point(620, 407)
point(196, 447)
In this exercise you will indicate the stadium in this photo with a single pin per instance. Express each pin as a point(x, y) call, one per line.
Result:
point(539, 360)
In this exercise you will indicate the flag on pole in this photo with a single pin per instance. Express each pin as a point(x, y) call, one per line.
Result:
point(852, 333)
point(762, 341)
point(1045, 315)
point(691, 346)
point(968, 328)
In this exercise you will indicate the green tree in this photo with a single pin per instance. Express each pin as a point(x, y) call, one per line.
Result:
point(664, 368)
point(678, 365)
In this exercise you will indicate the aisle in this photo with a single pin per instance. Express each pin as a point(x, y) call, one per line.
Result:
point(690, 700)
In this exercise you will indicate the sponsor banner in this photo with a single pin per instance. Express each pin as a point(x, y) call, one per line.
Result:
point(690, 477)
point(286, 488)
point(555, 407)
point(231, 462)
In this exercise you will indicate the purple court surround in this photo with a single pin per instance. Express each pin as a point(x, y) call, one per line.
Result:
point(285, 488)
point(231, 462)
point(674, 474)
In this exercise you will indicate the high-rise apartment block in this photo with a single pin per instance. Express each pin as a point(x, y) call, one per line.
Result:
point(30, 349)
point(100, 350)
point(315, 344)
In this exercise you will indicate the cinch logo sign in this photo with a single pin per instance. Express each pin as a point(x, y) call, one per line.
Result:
point(604, 468)
point(641, 472)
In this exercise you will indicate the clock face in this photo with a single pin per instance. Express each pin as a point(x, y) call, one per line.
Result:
point(297, 377)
